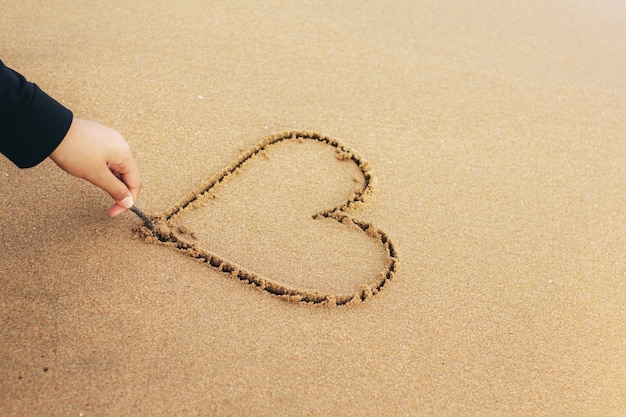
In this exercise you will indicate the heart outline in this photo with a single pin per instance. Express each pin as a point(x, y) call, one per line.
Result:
point(163, 227)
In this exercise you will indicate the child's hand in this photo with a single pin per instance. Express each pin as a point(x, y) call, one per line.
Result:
point(101, 156)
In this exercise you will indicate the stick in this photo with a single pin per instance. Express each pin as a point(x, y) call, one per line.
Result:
point(143, 216)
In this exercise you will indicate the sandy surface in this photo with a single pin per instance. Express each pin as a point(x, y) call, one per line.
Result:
point(495, 133)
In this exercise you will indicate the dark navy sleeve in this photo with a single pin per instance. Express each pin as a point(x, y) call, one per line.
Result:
point(32, 124)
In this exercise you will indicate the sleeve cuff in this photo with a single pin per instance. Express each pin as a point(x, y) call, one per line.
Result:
point(41, 130)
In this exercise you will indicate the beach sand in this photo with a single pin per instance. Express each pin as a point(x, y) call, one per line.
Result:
point(483, 272)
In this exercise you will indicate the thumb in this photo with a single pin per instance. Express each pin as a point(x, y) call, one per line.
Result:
point(117, 190)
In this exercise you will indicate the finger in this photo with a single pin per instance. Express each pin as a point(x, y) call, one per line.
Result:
point(115, 188)
point(115, 210)
point(130, 177)
point(128, 173)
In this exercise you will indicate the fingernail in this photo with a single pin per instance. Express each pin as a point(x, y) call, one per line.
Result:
point(127, 202)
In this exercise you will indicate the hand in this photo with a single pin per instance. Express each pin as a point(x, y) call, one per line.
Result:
point(101, 156)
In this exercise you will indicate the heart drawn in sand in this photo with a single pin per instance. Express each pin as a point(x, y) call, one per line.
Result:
point(279, 218)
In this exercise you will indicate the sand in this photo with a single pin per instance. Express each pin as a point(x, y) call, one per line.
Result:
point(486, 139)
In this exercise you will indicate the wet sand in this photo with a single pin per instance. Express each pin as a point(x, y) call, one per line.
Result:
point(472, 161)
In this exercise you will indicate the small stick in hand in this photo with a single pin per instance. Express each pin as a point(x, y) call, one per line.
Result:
point(143, 216)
